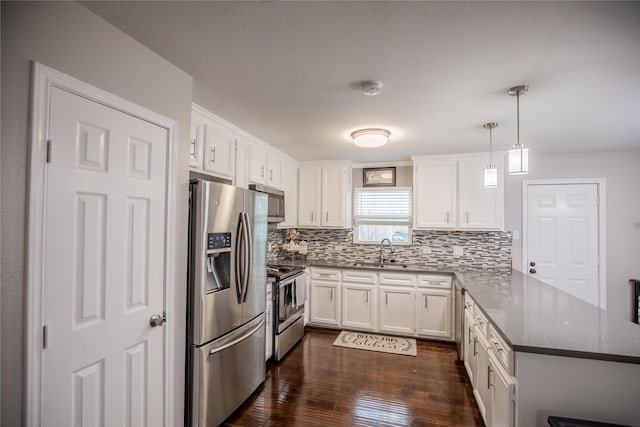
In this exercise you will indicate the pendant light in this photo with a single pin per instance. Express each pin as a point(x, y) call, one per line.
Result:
point(518, 155)
point(490, 172)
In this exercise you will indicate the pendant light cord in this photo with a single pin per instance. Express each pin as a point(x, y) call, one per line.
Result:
point(518, 115)
point(490, 147)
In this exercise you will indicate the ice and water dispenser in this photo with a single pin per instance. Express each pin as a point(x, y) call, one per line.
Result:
point(218, 261)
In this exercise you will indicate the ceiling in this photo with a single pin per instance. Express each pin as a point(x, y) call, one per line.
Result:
point(288, 72)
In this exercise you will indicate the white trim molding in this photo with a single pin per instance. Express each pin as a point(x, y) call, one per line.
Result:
point(43, 80)
point(602, 236)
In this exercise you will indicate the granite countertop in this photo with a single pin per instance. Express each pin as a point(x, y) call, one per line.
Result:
point(530, 315)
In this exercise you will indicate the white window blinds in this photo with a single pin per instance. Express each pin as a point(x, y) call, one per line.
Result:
point(382, 205)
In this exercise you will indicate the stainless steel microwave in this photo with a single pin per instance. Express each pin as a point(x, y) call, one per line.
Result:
point(276, 201)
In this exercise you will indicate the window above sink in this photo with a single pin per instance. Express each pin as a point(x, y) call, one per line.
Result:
point(381, 213)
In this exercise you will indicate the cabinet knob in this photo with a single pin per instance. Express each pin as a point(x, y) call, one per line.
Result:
point(532, 270)
point(532, 264)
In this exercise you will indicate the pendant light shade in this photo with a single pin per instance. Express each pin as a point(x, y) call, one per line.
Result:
point(490, 172)
point(518, 155)
point(370, 138)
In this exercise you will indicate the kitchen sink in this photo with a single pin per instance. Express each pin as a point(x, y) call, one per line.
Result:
point(378, 265)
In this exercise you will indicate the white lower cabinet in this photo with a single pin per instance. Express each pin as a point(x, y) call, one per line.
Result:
point(481, 389)
point(358, 306)
point(433, 312)
point(502, 387)
point(325, 303)
point(396, 313)
point(469, 346)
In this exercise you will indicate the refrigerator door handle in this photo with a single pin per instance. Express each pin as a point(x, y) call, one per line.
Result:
point(237, 340)
point(248, 247)
point(238, 254)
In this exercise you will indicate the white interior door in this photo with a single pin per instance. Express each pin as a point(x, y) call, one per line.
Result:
point(562, 238)
point(103, 267)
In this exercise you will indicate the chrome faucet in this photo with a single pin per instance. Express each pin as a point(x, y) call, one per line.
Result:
point(382, 247)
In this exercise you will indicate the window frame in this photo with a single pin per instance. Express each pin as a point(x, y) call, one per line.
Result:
point(408, 223)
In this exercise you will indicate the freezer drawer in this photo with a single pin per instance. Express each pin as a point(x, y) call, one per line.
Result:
point(226, 372)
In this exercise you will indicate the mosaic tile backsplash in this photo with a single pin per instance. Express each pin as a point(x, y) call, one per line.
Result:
point(481, 249)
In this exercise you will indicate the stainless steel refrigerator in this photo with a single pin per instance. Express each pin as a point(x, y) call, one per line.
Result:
point(226, 300)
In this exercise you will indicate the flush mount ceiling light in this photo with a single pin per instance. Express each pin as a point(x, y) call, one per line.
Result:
point(490, 172)
point(518, 155)
point(371, 87)
point(370, 138)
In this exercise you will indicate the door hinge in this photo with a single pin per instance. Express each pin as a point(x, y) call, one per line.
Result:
point(48, 151)
point(45, 332)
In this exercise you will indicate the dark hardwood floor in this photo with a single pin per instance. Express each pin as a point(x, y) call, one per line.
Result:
point(317, 384)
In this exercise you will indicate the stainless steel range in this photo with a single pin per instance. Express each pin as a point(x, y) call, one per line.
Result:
point(289, 295)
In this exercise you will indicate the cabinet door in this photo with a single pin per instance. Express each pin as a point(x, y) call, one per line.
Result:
point(358, 304)
point(274, 169)
point(241, 172)
point(481, 389)
point(502, 402)
point(397, 310)
point(257, 164)
point(268, 313)
point(219, 149)
point(470, 343)
point(325, 303)
point(333, 197)
point(197, 141)
point(480, 207)
point(290, 187)
point(309, 186)
point(434, 194)
point(433, 309)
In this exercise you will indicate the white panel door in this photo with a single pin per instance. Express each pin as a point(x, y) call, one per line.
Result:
point(309, 188)
point(257, 164)
point(397, 308)
point(358, 302)
point(433, 312)
point(104, 267)
point(434, 194)
point(333, 196)
point(197, 141)
point(325, 303)
point(290, 188)
point(562, 238)
point(274, 171)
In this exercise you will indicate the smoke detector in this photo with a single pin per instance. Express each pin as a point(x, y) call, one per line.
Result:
point(371, 87)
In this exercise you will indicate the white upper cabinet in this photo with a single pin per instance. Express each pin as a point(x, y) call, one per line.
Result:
point(264, 167)
point(290, 187)
point(324, 195)
point(257, 164)
point(449, 193)
point(434, 183)
point(212, 148)
point(219, 149)
point(480, 207)
point(241, 178)
point(309, 188)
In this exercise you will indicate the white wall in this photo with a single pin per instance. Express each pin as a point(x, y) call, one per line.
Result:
point(68, 37)
point(621, 170)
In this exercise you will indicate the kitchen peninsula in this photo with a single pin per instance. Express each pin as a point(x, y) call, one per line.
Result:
point(556, 354)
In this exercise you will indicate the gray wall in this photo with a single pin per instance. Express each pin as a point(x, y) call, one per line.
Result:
point(404, 176)
point(68, 37)
point(622, 187)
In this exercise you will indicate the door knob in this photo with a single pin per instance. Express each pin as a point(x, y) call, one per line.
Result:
point(157, 320)
point(532, 270)
point(532, 264)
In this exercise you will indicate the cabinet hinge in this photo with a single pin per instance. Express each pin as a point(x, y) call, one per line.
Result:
point(45, 332)
point(48, 157)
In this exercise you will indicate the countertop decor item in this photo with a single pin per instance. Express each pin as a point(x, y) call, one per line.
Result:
point(379, 177)
point(374, 342)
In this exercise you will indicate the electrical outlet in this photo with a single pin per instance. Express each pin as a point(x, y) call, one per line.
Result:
point(457, 251)
point(270, 246)
point(426, 250)
point(515, 235)
point(338, 247)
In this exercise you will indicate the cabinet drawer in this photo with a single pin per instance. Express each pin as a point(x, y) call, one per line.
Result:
point(468, 303)
point(397, 279)
point(501, 350)
point(435, 281)
point(357, 276)
point(325, 274)
point(481, 321)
